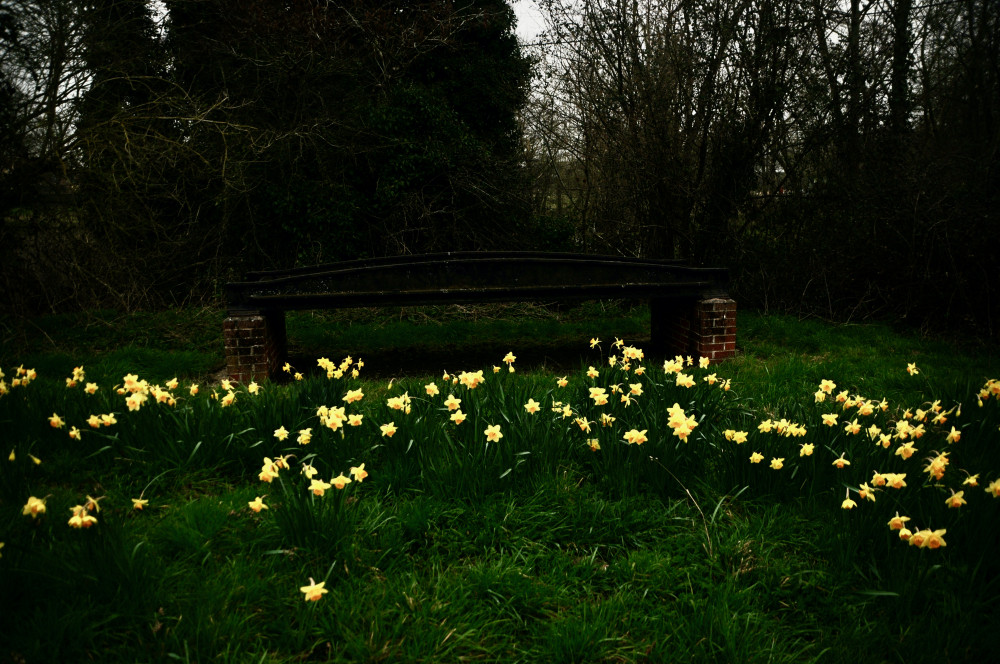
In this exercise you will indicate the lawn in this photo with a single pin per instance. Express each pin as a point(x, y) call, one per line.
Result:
point(496, 485)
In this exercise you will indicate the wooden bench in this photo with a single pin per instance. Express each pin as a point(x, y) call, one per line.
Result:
point(691, 312)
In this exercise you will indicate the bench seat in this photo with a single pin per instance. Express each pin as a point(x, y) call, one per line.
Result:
point(691, 312)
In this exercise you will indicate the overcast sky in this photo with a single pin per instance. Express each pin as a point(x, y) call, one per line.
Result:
point(529, 19)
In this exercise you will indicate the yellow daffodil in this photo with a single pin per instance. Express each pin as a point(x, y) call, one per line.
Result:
point(635, 437)
point(912, 369)
point(492, 433)
point(955, 500)
point(319, 487)
point(354, 419)
point(594, 341)
point(806, 449)
point(228, 399)
point(56, 422)
point(599, 395)
point(33, 507)
point(281, 433)
point(305, 436)
point(388, 430)
point(11, 456)
point(865, 492)
point(431, 389)
point(458, 416)
point(684, 380)
point(135, 400)
point(756, 457)
point(898, 522)
point(895, 480)
point(594, 444)
point(314, 591)
point(841, 461)
point(532, 406)
point(777, 463)
point(340, 481)
point(268, 471)
point(830, 419)
point(562, 382)
point(848, 504)
point(673, 366)
point(703, 362)
point(92, 504)
point(354, 395)
point(992, 488)
point(139, 503)
point(81, 518)
point(954, 436)
point(935, 539)
point(471, 380)
point(509, 358)
point(298, 376)
point(937, 465)
point(451, 403)
point(359, 473)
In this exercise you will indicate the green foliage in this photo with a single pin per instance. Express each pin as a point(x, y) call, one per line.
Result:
point(534, 547)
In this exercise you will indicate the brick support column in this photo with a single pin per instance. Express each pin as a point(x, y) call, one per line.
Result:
point(714, 334)
point(700, 328)
point(255, 344)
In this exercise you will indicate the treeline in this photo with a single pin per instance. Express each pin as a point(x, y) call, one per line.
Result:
point(839, 156)
point(153, 151)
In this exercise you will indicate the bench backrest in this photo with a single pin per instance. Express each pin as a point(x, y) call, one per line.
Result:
point(459, 277)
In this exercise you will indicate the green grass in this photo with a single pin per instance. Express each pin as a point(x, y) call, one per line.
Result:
point(535, 548)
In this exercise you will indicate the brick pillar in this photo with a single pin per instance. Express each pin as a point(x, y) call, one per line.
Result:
point(701, 328)
point(714, 334)
point(255, 344)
